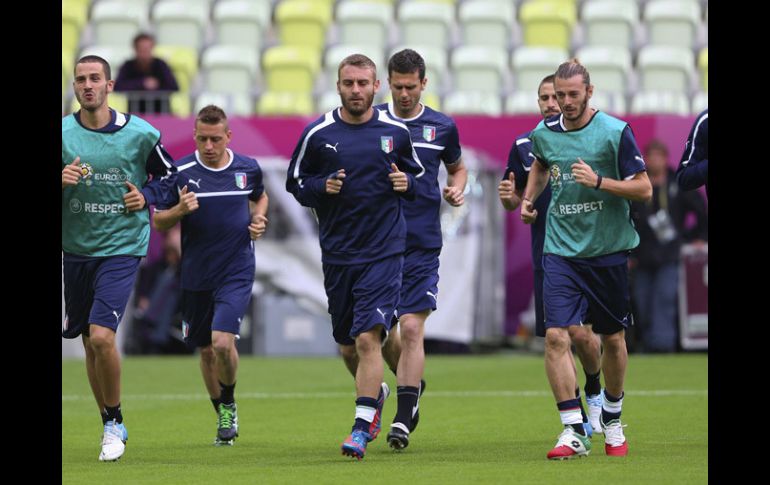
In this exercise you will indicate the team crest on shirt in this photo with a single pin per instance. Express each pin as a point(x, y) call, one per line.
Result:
point(555, 176)
point(386, 143)
point(240, 180)
point(429, 132)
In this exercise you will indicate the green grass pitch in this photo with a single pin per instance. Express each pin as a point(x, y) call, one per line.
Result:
point(483, 419)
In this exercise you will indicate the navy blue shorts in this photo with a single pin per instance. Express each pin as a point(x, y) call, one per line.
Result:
point(575, 292)
point(362, 296)
point(419, 290)
point(539, 310)
point(96, 291)
point(221, 309)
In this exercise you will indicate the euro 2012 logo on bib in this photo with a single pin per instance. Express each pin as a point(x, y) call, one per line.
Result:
point(555, 176)
point(87, 171)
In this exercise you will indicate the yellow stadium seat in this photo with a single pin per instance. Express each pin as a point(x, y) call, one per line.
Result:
point(277, 103)
point(74, 14)
point(703, 65)
point(303, 23)
point(290, 68)
point(548, 23)
point(180, 104)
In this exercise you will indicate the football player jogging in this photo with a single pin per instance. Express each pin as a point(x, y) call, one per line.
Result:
point(353, 166)
point(106, 157)
point(222, 205)
point(693, 170)
point(595, 169)
point(435, 139)
point(510, 190)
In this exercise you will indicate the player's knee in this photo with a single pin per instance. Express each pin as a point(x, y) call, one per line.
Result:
point(101, 339)
point(207, 354)
point(222, 343)
point(557, 340)
point(411, 331)
point(615, 342)
point(368, 342)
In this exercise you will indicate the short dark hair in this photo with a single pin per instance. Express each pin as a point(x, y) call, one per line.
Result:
point(93, 58)
point(358, 60)
point(142, 36)
point(655, 145)
point(571, 68)
point(407, 61)
point(212, 115)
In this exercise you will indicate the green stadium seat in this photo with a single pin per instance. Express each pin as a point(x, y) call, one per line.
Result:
point(179, 22)
point(610, 102)
point(610, 22)
point(364, 22)
point(665, 68)
point(487, 22)
point(609, 66)
point(474, 102)
point(234, 104)
point(672, 22)
point(116, 22)
point(522, 102)
point(479, 68)
point(115, 55)
point(274, 103)
point(230, 69)
point(652, 102)
point(426, 23)
point(548, 23)
point(241, 22)
point(531, 64)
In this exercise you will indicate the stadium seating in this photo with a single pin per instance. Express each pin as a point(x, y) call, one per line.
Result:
point(230, 69)
point(703, 66)
point(610, 22)
point(241, 22)
point(116, 22)
point(290, 68)
point(303, 23)
point(239, 104)
point(180, 104)
point(700, 102)
point(74, 14)
point(548, 23)
point(610, 102)
point(522, 102)
point(531, 64)
point(427, 98)
point(179, 22)
point(426, 23)
point(479, 68)
point(665, 68)
point(487, 22)
point(474, 102)
point(183, 62)
point(117, 101)
point(672, 22)
point(273, 103)
point(651, 102)
point(364, 22)
point(608, 66)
